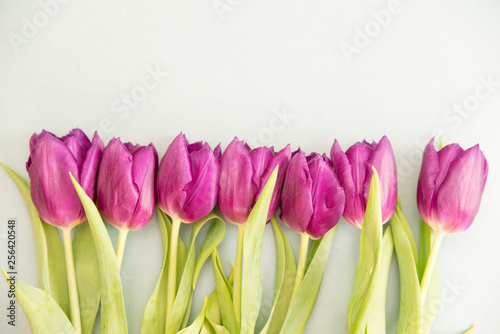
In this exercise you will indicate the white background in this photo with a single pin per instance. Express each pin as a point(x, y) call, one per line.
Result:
point(230, 73)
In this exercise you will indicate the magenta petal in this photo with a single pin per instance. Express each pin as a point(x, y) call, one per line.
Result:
point(81, 136)
point(90, 166)
point(51, 188)
point(236, 189)
point(460, 194)
point(426, 189)
point(76, 149)
point(446, 156)
point(117, 194)
point(261, 156)
point(202, 190)
point(174, 174)
point(382, 158)
point(144, 176)
point(328, 198)
point(281, 159)
point(296, 198)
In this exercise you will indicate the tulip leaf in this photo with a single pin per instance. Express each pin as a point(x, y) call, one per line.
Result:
point(224, 295)
point(154, 315)
point(285, 276)
point(197, 323)
point(410, 302)
point(113, 319)
point(184, 292)
point(369, 262)
point(50, 261)
point(42, 311)
point(251, 278)
point(307, 294)
point(87, 276)
point(213, 321)
point(376, 320)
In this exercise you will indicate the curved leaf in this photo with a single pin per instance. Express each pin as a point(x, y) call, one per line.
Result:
point(113, 319)
point(303, 304)
point(224, 296)
point(197, 323)
point(42, 311)
point(251, 278)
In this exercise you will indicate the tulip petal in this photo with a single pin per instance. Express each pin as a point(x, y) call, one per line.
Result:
point(81, 136)
point(91, 165)
point(328, 198)
point(460, 194)
point(51, 191)
point(174, 174)
point(202, 190)
point(296, 198)
point(426, 189)
point(446, 156)
point(76, 149)
point(261, 156)
point(236, 189)
point(117, 194)
point(382, 158)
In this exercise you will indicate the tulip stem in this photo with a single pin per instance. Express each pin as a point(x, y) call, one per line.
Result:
point(172, 266)
point(73, 291)
point(120, 246)
point(301, 266)
point(429, 268)
point(237, 273)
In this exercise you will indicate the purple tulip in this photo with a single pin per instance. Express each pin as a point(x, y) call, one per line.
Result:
point(126, 184)
point(186, 184)
point(51, 159)
point(450, 186)
point(312, 200)
point(244, 173)
point(354, 169)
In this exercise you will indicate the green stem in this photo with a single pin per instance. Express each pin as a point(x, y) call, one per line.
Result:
point(237, 273)
point(301, 266)
point(73, 292)
point(120, 246)
point(172, 266)
point(429, 268)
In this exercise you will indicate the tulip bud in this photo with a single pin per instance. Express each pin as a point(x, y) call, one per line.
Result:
point(354, 169)
point(186, 184)
point(312, 199)
point(244, 173)
point(50, 161)
point(450, 186)
point(126, 184)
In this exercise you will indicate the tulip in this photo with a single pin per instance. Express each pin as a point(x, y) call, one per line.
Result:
point(126, 187)
point(50, 162)
point(186, 188)
point(354, 170)
point(450, 187)
point(244, 173)
point(312, 202)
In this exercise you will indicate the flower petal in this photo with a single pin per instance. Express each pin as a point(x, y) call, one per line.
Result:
point(426, 189)
point(90, 166)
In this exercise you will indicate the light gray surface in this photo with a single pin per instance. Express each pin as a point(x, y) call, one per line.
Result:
point(230, 77)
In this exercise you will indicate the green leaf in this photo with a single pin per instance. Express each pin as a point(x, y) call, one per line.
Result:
point(184, 293)
point(303, 304)
point(251, 278)
point(376, 320)
point(42, 311)
point(424, 247)
point(154, 315)
point(224, 295)
point(369, 263)
point(197, 323)
point(285, 276)
point(87, 276)
point(213, 321)
point(49, 251)
point(113, 319)
point(410, 302)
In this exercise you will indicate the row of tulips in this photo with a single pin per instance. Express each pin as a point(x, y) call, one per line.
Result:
point(248, 186)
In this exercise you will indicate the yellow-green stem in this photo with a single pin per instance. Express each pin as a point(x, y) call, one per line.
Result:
point(429, 268)
point(237, 273)
point(301, 266)
point(172, 266)
point(73, 291)
point(120, 246)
